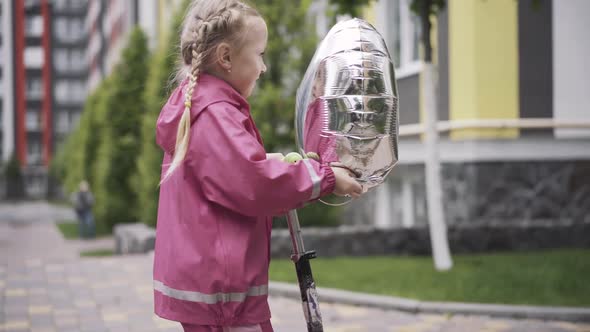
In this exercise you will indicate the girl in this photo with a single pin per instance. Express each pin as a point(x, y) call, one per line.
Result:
point(219, 189)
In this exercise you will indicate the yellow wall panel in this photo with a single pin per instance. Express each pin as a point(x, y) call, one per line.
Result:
point(462, 62)
point(483, 64)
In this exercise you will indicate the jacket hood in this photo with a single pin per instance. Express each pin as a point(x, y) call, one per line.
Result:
point(209, 90)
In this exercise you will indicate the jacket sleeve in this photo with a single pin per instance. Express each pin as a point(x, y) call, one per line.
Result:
point(231, 168)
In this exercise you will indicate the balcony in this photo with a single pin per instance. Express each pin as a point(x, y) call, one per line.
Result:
point(71, 8)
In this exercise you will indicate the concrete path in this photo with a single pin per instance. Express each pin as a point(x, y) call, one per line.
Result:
point(46, 287)
point(23, 241)
point(34, 212)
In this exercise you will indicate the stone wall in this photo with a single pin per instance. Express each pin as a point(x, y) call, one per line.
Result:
point(489, 206)
point(363, 241)
point(483, 193)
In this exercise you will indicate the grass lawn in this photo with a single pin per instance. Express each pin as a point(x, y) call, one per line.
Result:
point(69, 229)
point(555, 277)
point(97, 253)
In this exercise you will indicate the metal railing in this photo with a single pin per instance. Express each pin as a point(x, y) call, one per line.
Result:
point(532, 123)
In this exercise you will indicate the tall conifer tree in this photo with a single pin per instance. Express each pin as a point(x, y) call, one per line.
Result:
point(149, 162)
point(121, 112)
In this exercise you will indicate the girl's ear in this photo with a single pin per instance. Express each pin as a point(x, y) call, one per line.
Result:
point(223, 56)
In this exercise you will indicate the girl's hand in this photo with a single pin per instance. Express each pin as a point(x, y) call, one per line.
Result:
point(346, 185)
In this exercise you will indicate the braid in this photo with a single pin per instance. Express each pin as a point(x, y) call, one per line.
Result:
point(202, 32)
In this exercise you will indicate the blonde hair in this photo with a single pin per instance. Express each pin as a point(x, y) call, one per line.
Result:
point(206, 24)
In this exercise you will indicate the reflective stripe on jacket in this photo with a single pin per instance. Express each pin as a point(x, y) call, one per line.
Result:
point(214, 216)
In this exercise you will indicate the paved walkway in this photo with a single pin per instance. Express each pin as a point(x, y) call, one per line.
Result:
point(46, 287)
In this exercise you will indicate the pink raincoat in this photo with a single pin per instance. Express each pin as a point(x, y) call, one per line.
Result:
point(214, 217)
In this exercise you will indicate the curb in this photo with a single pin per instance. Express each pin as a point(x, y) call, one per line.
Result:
point(571, 314)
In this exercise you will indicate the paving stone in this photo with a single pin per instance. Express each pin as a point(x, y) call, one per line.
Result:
point(39, 301)
point(41, 320)
point(94, 329)
point(65, 322)
point(12, 310)
point(115, 294)
point(94, 323)
point(16, 324)
point(43, 329)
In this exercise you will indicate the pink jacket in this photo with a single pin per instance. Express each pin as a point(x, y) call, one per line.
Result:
point(214, 216)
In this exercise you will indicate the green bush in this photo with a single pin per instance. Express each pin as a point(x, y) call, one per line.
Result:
point(67, 163)
point(313, 215)
point(90, 125)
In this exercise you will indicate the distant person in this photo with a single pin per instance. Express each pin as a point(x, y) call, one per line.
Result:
point(219, 189)
point(83, 201)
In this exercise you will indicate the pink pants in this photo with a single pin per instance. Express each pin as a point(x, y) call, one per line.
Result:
point(264, 327)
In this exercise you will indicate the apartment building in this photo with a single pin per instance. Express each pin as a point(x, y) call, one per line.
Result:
point(53, 53)
point(513, 110)
point(43, 80)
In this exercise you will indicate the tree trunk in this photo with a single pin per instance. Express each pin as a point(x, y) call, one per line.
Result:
point(426, 26)
point(436, 217)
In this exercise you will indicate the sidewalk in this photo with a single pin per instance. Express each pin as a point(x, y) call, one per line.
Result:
point(21, 242)
point(46, 287)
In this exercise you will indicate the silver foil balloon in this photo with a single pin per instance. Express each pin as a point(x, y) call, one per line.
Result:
point(347, 103)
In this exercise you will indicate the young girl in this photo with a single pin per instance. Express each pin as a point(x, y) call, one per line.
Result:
point(219, 190)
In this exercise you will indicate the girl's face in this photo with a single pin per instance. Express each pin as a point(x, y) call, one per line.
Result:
point(247, 63)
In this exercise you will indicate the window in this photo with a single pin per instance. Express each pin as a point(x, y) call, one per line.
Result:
point(70, 4)
point(78, 4)
point(73, 60)
point(68, 29)
point(78, 60)
point(76, 29)
point(63, 122)
point(32, 3)
point(34, 151)
point(34, 88)
point(60, 60)
point(401, 31)
point(33, 122)
point(61, 91)
point(60, 4)
point(34, 26)
point(68, 91)
point(34, 57)
point(60, 27)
